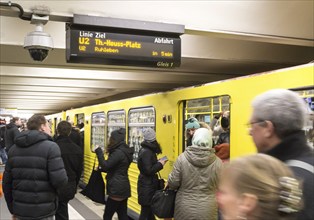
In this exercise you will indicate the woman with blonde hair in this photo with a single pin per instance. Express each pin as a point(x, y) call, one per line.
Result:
point(258, 187)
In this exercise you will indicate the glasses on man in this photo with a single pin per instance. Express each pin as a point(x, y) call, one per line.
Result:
point(249, 125)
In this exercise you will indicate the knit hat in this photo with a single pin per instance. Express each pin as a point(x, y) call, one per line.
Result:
point(202, 138)
point(118, 135)
point(149, 135)
point(192, 123)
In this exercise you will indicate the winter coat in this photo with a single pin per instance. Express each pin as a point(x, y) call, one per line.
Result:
point(116, 167)
point(72, 156)
point(33, 173)
point(195, 175)
point(224, 137)
point(75, 136)
point(294, 147)
point(149, 166)
point(11, 132)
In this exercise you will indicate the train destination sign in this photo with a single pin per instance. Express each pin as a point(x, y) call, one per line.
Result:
point(122, 49)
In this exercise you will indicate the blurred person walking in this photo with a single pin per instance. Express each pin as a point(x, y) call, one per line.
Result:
point(149, 166)
point(33, 173)
point(116, 167)
point(195, 176)
point(11, 132)
point(258, 187)
point(72, 156)
point(3, 153)
point(277, 124)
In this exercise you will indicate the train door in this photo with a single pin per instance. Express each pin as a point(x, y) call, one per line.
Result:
point(80, 118)
point(209, 112)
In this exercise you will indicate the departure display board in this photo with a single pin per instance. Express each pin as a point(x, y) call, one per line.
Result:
point(101, 47)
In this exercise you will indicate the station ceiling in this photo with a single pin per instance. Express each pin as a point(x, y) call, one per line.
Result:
point(222, 40)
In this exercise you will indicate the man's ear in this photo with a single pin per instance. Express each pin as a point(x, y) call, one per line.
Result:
point(269, 129)
point(42, 127)
point(248, 203)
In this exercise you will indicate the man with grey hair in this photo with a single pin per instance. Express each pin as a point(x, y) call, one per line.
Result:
point(277, 123)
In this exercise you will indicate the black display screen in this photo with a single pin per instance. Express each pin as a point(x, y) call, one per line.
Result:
point(122, 49)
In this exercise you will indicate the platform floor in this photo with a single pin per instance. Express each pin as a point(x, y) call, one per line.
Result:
point(79, 208)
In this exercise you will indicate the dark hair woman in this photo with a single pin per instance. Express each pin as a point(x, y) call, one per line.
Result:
point(116, 167)
point(149, 166)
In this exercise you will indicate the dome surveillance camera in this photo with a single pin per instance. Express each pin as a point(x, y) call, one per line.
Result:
point(38, 43)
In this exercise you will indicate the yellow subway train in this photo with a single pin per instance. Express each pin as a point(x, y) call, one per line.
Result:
point(166, 112)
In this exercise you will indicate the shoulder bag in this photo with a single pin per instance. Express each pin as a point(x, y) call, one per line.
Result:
point(95, 188)
point(163, 203)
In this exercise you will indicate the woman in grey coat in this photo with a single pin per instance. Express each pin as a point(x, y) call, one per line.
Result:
point(195, 175)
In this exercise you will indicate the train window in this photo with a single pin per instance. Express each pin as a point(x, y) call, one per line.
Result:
point(139, 119)
point(116, 120)
point(308, 96)
point(204, 110)
point(98, 130)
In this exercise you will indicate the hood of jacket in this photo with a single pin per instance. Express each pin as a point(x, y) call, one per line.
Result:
point(128, 151)
point(154, 146)
point(200, 156)
point(30, 137)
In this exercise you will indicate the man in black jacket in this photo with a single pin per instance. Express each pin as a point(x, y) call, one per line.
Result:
point(72, 156)
point(276, 127)
point(11, 132)
point(34, 172)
